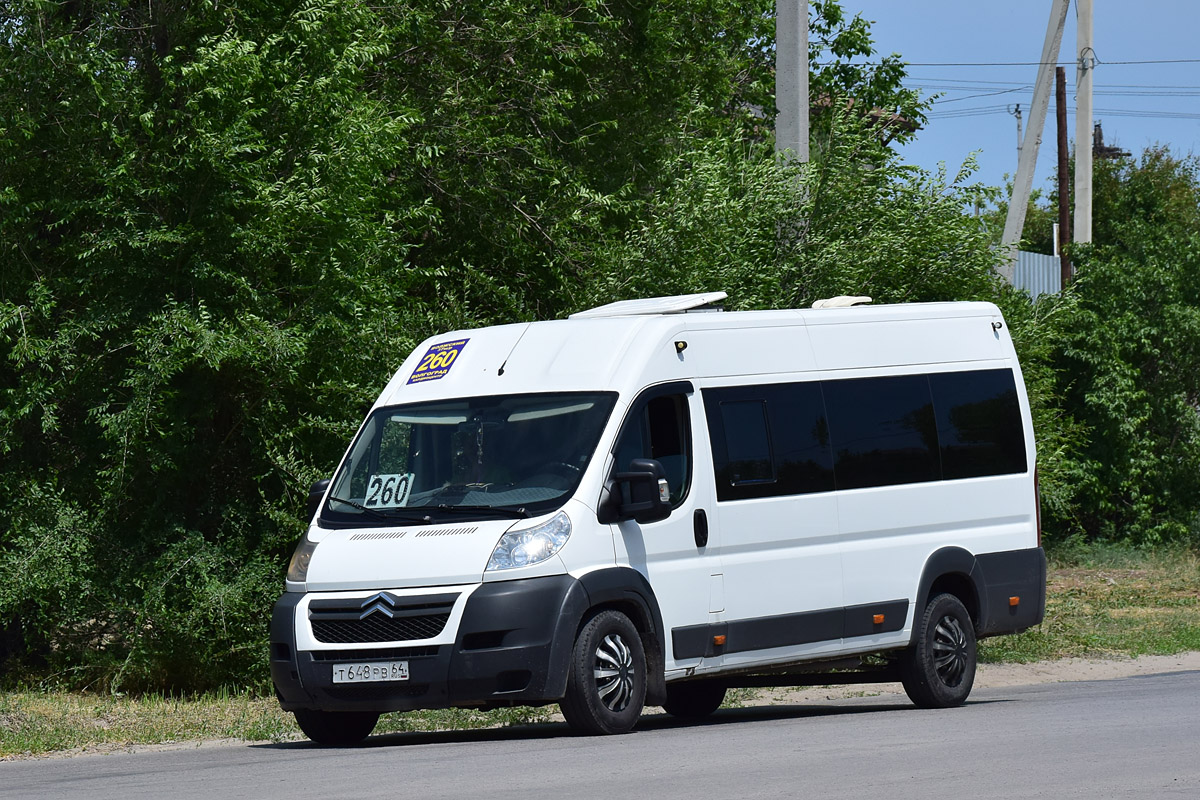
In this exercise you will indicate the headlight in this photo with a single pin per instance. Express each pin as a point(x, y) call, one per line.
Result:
point(521, 548)
point(298, 568)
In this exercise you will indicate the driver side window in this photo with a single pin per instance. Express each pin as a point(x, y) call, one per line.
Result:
point(659, 429)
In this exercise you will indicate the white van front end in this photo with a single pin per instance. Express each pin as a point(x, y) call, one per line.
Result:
point(436, 571)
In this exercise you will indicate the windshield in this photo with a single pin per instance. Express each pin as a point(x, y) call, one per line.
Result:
point(515, 455)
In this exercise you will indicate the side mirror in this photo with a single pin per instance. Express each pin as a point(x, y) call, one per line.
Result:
point(642, 494)
point(316, 493)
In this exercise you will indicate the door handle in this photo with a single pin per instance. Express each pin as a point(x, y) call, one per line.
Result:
point(700, 527)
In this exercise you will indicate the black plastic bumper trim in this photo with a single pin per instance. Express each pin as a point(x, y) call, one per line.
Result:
point(1017, 574)
point(531, 621)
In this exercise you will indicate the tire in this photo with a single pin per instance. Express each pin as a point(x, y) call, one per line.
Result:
point(938, 670)
point(606, 684)
point(336, 728)
point(694, 699)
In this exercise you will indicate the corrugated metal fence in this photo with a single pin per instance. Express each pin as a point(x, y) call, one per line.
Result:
point(1038, 274)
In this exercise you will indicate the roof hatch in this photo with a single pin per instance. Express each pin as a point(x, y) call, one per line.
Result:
point(655, 305)
point(842, 301)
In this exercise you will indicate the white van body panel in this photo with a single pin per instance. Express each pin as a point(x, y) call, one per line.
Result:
point(665, 552)
point(888, 533)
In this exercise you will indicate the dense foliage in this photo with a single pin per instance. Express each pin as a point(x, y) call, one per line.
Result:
point(1128, 352)
point(223, 225)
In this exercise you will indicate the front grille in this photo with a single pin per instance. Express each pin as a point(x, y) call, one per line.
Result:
point(378, 628)
point(380, 618)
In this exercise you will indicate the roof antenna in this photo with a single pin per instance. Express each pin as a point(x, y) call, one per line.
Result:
point(504, 363)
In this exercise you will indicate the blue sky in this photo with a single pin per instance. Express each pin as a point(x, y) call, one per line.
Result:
point(1138, 104)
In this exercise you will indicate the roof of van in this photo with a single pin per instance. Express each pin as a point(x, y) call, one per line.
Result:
point(631, 344)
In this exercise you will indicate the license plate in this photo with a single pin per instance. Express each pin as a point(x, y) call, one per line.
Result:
point(370, 672)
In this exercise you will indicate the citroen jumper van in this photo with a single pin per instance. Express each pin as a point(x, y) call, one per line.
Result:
point(653, 501)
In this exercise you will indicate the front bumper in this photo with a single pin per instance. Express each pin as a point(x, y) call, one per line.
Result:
point(512, 647)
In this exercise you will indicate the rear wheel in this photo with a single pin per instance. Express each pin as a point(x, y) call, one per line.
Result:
point(694, 699)
point(606, 685)
point(336, 728)
point(938, 671)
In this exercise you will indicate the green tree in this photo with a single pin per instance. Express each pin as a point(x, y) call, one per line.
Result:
point(1129, 354)
point(204, 278)
point(853, 221)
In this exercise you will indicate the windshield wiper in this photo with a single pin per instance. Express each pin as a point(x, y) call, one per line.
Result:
point(387, 513)
point(517, 513)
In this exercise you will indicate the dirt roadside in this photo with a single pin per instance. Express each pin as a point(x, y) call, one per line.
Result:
point(998, 676)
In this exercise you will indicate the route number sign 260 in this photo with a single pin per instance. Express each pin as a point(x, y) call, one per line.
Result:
point(437, 361)
point(388, 491)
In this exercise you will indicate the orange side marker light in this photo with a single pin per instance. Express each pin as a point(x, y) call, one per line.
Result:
point(1014, 601)
point(719, 640)
point(878, 619)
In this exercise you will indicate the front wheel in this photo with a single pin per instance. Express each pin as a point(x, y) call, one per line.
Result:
point(336, 728)
point(606, 685)
point(939, 669)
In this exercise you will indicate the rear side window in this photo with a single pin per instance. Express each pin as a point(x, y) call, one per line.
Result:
point(883, 431)
point(799, 438)
point(769, 440)
point(978, 423)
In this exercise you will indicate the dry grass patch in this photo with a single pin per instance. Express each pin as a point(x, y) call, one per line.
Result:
point(39, 722)
point(35, 723)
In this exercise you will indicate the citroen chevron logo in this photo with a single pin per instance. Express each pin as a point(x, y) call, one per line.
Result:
point(381, 602)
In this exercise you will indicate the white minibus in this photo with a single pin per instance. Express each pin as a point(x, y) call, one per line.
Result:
point(653, 501)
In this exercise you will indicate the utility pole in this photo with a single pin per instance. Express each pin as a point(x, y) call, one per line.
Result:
point(1064, 178)
point(1027, 160)
point(1017, 113)
point(791, 78)
point(1083, 123)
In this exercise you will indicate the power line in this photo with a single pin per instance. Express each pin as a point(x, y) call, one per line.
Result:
point(981, 111)
point(985, 94)
point(919, 79)
point(1026, 88)
point(1126, 112)
point(871, 64)
point(1130, 89)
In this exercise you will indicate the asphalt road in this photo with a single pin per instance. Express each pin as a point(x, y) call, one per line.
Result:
point(1135, 737)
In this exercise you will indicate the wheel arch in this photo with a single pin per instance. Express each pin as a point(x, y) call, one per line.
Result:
point(626, 590)
point(955, 571)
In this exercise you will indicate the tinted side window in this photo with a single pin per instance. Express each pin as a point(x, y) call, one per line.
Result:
point(804, 459)
point(769, 440)
point(883, 431)
point(747, 442)
point(978, 423)
point(659, 430)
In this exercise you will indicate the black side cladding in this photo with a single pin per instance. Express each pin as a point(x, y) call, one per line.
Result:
point(993, 578)
point(1015, 573)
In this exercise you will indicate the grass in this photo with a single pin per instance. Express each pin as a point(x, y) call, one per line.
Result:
point(1106, 601)
point(1102, 602)
point(35, 723)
